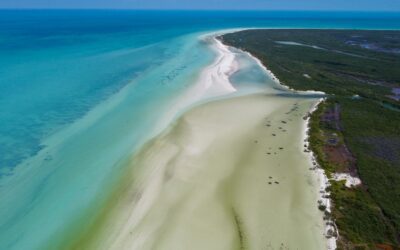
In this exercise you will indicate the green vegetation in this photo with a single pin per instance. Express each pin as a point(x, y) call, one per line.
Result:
point(358, 70)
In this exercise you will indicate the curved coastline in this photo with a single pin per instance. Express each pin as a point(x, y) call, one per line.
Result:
point(125, 221)
point(138, 102)
point(322, 177)
point(87, 157)
point(210, 84)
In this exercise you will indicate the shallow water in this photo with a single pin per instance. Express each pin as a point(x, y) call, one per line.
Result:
point(80, 91)
point(228, 174)
point(216, 180)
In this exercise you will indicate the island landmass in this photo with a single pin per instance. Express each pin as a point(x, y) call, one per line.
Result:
point(355, 132)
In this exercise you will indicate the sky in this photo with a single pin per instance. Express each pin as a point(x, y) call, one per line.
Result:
point(349, 5)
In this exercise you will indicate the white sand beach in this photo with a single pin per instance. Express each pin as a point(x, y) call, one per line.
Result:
point(227, 174)
point(351, 181)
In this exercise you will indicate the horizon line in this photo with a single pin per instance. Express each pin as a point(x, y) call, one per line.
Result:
point(201, 9)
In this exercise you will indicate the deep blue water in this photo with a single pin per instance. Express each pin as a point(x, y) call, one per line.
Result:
point(56, 66)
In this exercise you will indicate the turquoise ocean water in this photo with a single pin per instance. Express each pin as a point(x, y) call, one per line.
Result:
point(80, 91)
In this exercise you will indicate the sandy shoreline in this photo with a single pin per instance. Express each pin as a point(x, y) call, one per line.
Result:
point(213, 168)
point(324, 199)
point(212, 82)
point(322, 177)
point(187, 173)
point(273, 77)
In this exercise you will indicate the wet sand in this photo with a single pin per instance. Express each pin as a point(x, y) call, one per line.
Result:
point(230, 172)
point(219, 180)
